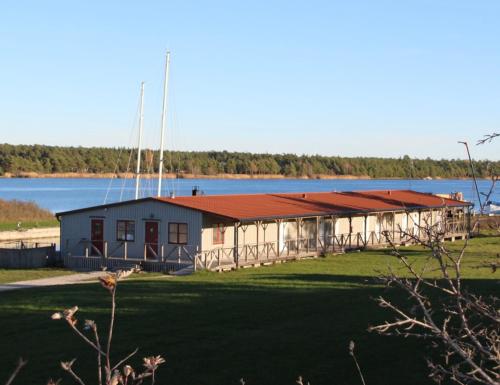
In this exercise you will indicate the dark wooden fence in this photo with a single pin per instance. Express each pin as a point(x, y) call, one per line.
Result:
point(28, 258)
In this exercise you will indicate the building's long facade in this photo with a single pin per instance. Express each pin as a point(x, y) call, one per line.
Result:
point(223, 232)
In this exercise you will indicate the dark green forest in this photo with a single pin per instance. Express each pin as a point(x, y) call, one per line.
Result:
point(18, 159)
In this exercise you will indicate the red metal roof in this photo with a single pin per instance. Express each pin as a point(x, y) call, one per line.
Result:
point(261, 206)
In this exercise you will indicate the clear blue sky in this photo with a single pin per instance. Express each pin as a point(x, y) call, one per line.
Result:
point(351, 78)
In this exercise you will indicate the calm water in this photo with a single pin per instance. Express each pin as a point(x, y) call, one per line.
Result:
point(66, 194)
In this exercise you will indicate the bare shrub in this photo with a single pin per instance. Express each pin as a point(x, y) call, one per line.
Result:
point(107, 371)
point(463, 327)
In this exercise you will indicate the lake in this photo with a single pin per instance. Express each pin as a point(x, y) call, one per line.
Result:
point(60, 194)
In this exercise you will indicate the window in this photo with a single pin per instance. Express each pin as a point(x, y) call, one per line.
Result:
point(125, 231)
point(218, 234)
point(178, 233)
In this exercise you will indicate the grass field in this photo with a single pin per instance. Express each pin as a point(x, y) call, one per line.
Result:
point(267, 325)
point(12, 225)
point(14, 275)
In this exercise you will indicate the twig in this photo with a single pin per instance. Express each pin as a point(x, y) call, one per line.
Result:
point(67, 366)
point(20, 364)
point(125, 359)
point(110, 334)
point(351, 353)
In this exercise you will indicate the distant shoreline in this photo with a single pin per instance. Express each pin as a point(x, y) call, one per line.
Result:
point(80, 175)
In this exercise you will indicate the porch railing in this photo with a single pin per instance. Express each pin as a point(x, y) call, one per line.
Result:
point(249, 254)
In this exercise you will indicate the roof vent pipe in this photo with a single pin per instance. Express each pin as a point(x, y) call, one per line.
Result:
point(172, 195)
point(195, 191)
point(304, 196)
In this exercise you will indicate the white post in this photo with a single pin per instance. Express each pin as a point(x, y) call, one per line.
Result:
point(163, 122)
point(141, 122)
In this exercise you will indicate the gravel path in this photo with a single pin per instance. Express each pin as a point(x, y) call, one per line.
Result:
point(54, 281)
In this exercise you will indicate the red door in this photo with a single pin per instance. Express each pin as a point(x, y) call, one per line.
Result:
point(151, 239)
point(97, 236)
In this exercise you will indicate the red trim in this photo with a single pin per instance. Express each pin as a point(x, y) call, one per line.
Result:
point(218, 234)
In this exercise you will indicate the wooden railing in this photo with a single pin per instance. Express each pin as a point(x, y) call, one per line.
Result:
point(256, 253)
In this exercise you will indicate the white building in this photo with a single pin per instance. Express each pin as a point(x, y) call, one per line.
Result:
point(227, 231)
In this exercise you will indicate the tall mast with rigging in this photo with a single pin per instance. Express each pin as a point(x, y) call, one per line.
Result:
point(139, 145)
point(163, 121)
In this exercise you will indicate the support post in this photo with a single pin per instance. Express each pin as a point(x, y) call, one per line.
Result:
point(468, 223)
point(317, 234)
point(106, 249)
point(257, 224)
point(419, 233)
point(350, 232)
point(298, 234)
point(235, 252)
point(266, 246)
point(365, 241)
point(195, 259)
point(278, 232)
point(125, 250)
point(334, 224)
point(394, 226)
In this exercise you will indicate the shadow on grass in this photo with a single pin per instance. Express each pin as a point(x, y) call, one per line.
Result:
point(267, 328)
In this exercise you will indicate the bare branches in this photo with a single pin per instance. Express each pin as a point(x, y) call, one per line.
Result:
point(20, 364)
point(352, 345)
point(112, 374)
point(464, 327)
point(68, 367)
point(488, 138)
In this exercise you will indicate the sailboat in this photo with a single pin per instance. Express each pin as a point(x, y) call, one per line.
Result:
point(492, 208)
point(163, 125)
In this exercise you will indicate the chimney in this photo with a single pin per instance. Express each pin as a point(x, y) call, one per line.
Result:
point(304, 196)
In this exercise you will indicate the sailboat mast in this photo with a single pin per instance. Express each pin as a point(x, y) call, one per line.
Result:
point(139, 145)
point(163, 121)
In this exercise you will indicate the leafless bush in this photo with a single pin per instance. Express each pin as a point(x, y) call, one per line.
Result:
point(488, 138)
point(108, 372)
point(463, 327)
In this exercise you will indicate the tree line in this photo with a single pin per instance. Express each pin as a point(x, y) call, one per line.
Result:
point(18, 159)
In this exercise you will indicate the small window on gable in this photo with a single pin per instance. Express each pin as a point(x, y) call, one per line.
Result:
point(218, 234)
point(125, 231)
point(178, 233)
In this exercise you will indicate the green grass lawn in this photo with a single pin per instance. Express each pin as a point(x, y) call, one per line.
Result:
point(267, 325)
point(9, 226)
point(14, 275)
